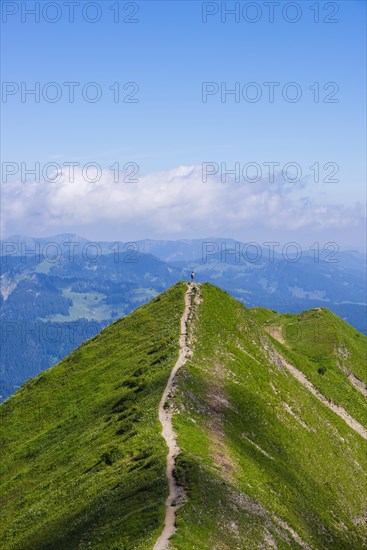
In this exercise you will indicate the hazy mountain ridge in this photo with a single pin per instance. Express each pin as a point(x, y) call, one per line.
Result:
point(69, 288)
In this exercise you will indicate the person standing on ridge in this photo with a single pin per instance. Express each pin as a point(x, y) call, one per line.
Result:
point(192, 276)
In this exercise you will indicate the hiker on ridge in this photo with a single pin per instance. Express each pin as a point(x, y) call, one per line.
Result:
point(192, 276)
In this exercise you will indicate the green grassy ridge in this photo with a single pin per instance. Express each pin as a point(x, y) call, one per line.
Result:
point(325, 348)
point(304, 474)
point(83, 460)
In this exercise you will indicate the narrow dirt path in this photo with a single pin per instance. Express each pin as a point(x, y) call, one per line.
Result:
point(176, 496)
point(358, 384)
point(342, 413)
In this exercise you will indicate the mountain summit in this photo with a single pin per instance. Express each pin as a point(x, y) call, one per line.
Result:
point(262, 416)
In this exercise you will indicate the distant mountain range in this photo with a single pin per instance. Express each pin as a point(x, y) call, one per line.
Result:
point(58, 291)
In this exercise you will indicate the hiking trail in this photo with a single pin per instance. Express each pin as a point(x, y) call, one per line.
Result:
point(302, 378)
point(176, 495)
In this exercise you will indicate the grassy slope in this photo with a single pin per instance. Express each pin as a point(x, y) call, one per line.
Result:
point(83, 461)
point(326, 349)
point(85, 467)
point(289, 458)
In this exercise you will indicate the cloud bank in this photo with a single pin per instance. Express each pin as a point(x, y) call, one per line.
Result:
point(171, 204)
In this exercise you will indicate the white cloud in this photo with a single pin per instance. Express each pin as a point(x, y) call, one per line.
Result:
point(176, 203)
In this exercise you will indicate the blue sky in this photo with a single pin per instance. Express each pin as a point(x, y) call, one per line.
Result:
point(169, 53)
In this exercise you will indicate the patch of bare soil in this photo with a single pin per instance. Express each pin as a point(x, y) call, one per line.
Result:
point(276, 332)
